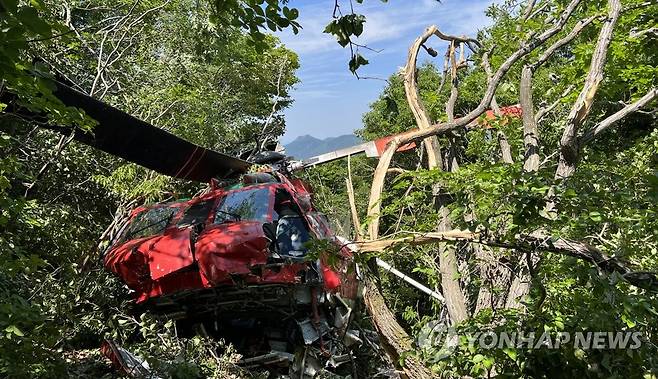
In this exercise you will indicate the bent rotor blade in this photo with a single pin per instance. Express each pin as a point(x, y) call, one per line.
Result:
point(372, 149)
point(137, 141)
point(375, 148)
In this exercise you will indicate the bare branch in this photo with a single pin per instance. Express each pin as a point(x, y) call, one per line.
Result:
point(640, 33)
point(530, 129)
point(444, 75)
point(275, 104)
point(505, 149)
point(411, 92)
point(454, 89)
point(541, 113)
point(613, 119)
point(539, 10)
point(577, 29)
point(527, 242)
point(487, 69)
point(526, 14)
point(374, 204)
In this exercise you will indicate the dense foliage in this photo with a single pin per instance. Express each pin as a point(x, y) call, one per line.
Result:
point(610, 202)
point(167, 62)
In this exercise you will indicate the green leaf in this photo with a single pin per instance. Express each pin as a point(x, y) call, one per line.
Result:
point(357, 61)
point(14, 329)
point(477, 358)
point(30, 18)
point(510, 353)
point(630, 323)
point(595, 216)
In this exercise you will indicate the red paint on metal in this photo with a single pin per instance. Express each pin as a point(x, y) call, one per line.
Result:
point(129, 263)
point(170, 252)
point(231, 249)
point(331, 278)
point(175, 282)
point(382, 142)
point(288, 273)
point(110, 351)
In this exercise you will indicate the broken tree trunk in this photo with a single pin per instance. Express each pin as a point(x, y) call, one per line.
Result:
point(376, 304)
point(505, 149)
point(448, 266)
point(374, 204)
point(530, 120)
point(569, 149)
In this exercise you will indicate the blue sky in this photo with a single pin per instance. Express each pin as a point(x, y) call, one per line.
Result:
point(330, 101)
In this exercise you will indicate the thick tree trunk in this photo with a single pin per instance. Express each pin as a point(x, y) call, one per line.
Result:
point(505, 149)
point(493, 274)
point(520, 286)
point(452, 292)
point(394, 338)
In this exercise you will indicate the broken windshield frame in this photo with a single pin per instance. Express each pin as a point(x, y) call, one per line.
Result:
point(251, 204)
point(236, 217)
point(137, 229)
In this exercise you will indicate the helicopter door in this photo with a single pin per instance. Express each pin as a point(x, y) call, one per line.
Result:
point(174, 250)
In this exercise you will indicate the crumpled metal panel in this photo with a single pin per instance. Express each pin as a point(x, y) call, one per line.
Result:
point(129, 264)
point(231, 249)
point(130, 365)
point(170, 252)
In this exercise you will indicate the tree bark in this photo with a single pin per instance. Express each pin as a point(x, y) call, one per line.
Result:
point(374, 205)
point(569, 149)
point(395, 339)
point(417, 108)
point(530, 131)
point(535, 242)
point(505, 149)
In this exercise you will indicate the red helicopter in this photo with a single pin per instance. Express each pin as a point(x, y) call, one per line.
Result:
point(236, 262)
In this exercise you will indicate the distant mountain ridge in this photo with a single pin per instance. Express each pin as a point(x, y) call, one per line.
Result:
point(307, 146)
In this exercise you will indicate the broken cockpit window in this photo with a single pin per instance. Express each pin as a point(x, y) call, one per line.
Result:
point(250, 204)
point(292, 233)
point(196, 214)
point(149, 222)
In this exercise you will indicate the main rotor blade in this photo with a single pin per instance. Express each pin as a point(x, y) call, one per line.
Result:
point(372, 149)
point(375, 148)
point(130, 138)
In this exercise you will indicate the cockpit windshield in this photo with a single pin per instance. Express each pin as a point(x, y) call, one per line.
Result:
point(149, 222)
point(251, 204)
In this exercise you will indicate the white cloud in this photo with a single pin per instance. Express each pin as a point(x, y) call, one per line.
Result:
point(391, 27)
point(386, 23)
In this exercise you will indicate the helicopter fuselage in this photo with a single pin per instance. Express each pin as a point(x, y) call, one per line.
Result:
point(244, 235)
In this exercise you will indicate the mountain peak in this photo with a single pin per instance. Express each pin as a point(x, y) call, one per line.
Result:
point(307, 146)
